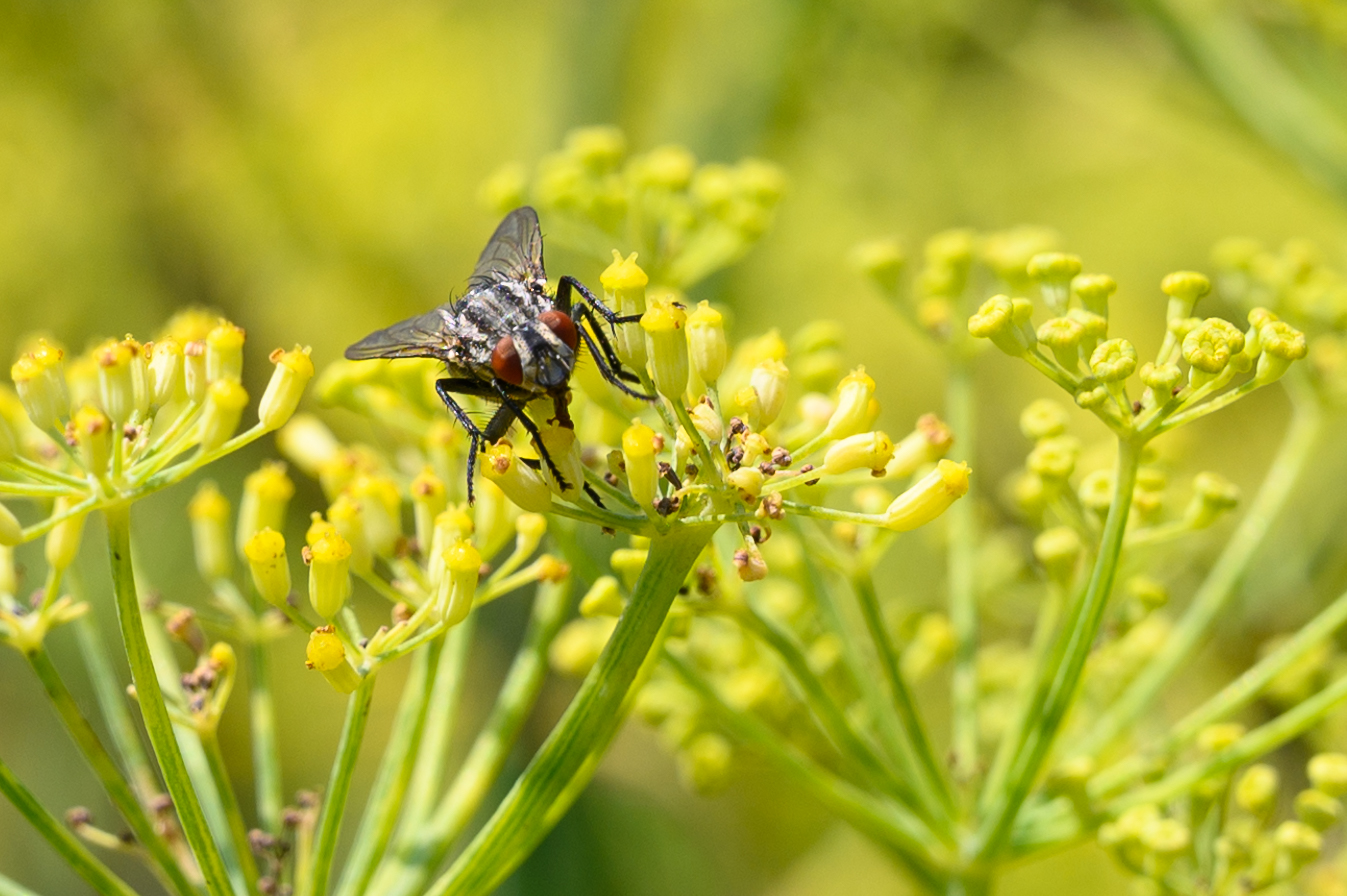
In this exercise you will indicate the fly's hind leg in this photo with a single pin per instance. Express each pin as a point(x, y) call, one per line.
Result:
point(478, 439)
point(508, 402)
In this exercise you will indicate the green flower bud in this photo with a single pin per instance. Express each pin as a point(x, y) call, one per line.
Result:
point(1133, 824)
point(1147, 592)
point(638, 455)
point(429, 500)
point(327, 654)
point(1094, 291)
point(11, 533)
point(167, 382)
point(118, 363)
point(1209, 346)
point(1212, 496)
point(291, 374)
point(265, 552)
point(628, 563)
point(1054, 459)
point(1062, 335)
point(1054, 271)
point(308, 444)
point(91, 432)
point(1114, 361)
point(708, 422)
point(707, 348)
point(380, 511)
point(1184, 288)
point(1256, 790)
point(929, 497)
point(1317, 809)
point(604, 598)
point(578, 645)
point(39, 378)
point(599, 148)
point(209, 515)
point(882, 261)
point(329, 574)
point(663, 322)
point(1282, 344)
point(225, 400)
point(624, 286)
point(224, 353)
point(347, 516)
point(1298, 844)
point(926, 444)
point(768, 380)
point(1162, 379)
point(995, 320)
point(748, 481)
point(522, 484)
point(704, 763)
point(852, 413)
point(1165, 841)
point(666, 167)
point(266, 494)
point(1096, 491)
point(1043, 419)
point(1058, 549)
point(194, 376)
point(455, 587)
point(1219, 736)
point(872, 450)
point(1328, 773)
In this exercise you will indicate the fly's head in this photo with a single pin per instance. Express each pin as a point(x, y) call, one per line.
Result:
point(539, 354)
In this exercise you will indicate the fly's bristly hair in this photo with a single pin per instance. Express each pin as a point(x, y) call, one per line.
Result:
point(506, 339)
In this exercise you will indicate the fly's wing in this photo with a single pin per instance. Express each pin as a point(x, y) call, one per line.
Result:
point(423, 336)
point(515, 251)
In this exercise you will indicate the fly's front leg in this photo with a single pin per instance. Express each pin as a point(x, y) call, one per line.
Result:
point(567, 283)
point(611, 368)
point(477, 438)
point(508, 402)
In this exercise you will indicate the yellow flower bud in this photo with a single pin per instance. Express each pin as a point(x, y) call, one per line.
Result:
point(748, 481)
point(854, 394)
point(1114, 361)
point(1298, 844)
point(561, 443)
point(1063, 336)
point(11, 532)
point(1058, 549)
point(604, 598)
point(1256, 790)
point(429, 500)
point(578, 645)
point(1043, 419)
point(1212, 495)
point(707, 348)
point(708, 422)
point(92, 432)
point(270, 569)
point(665, 167)
point(927, 443)
point(194, 371)
point(9, 578)
point(266, 494)
point(117, 379)
point(1282, 344)
point(638, 455)
point(224, 352)
point(347, 516)
point(704, 763)
point(1094, 290)
point(318, 527)
point(873, 450)
point(225, 400)
point(1219, 736)
point(1054, 459)
point(209, 515)
point(929, 497)
point(307, 443)
point(1328, 772)
point(628, 563)
point(329, 574)
point(663, 322)
point(39, 378)
point(768, 380)
point(624, 291)
point(167, 380)
point(292, 373)
point(1054, 272)
point(995, 320)
point(521, 483)
point(1317, 809)
point(380, 511)
point(880, 260)
point(1161, 379)
point(457, 584)
point(1184, 288)
point(1209, 346)
point(327, 654)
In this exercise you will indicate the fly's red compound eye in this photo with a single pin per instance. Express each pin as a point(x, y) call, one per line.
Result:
point(559, 322)
point(505, 361)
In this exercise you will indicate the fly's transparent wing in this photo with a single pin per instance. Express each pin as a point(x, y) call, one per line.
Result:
point(423, 336)
point(515, 251)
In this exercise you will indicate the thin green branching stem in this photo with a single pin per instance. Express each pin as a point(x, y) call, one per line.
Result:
point(267, 786)
point(338, 789)
point(154, 710)
point(1258, 742)
point(72, 851)
point(961, 570)
point(934, 784)
point(589, 723)
point(1230, 699)
point(109, 775)
point(413, 865)
point(829, 715)
point(238, 828)
point(1220, 585)
point(395, 773)
point(1061, 673)
point(885, 822)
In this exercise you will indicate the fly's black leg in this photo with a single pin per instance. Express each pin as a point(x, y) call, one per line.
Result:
point(585, 313)
point(443, 388)
point(509, 403)
point(614, 375)
point(593, 495)
point(499, 424)
point(567, 283)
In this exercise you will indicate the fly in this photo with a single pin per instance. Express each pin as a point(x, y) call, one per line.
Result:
point(506, 340)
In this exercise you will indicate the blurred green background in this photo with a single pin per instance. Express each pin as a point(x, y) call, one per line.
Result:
point(311, 170)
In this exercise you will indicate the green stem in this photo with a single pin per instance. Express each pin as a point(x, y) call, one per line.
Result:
point(238, 830)
point(338, 788)
point(1054, 697)
point(109, 775)
point(266, 753)
point(407, 874)
point(395, 773)
point(589, 723)
point(1219, 587)
point(961, 567)
point(72, 851)
point(884, 822)
point(933, 780)
point(154, 710)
